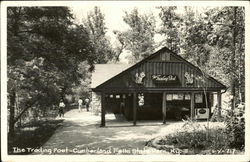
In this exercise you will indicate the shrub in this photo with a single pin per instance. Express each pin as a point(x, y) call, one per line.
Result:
point(195, 136)
point(235, 127)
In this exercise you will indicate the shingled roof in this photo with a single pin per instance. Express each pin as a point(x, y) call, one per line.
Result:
point(104, 72)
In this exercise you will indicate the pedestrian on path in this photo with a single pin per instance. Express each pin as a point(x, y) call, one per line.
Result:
point(87, 103)
point(80, 104)
point(61, 107)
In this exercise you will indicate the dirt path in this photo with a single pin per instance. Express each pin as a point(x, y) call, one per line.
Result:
point(80, 133)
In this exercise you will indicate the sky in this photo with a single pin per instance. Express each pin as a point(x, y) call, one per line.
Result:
point(114, 12)
point(113, 15)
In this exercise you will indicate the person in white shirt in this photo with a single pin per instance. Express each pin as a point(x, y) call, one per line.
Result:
point(80, 105)
point(61, 107)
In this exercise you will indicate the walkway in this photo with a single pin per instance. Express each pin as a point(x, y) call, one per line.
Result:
point(80, 133)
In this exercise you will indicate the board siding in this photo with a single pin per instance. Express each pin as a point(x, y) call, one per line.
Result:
point(160, 64)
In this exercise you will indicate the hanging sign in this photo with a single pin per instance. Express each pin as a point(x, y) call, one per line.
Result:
point(166, 79)
point(140, 99)
point(139, 77)
point(189, 78)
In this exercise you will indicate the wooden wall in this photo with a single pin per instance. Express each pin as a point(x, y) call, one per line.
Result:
point(162, 64)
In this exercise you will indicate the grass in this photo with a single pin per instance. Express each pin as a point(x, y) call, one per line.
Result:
point(32, 135)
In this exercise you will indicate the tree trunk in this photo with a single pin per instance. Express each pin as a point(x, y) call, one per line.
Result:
point(232, 84)
point(241, 69)
point(12, 112)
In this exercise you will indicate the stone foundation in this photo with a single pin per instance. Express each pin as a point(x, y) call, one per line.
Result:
point(96, 103)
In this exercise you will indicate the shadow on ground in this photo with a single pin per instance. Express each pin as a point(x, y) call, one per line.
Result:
point(81, 133)
point(33, 135)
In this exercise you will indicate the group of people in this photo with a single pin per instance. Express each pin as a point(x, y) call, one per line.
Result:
point(80, 104)
point(86, 102)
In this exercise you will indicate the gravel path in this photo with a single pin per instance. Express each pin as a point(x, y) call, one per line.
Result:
point(80, 133)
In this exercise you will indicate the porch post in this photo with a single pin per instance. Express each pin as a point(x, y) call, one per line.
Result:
point(134, 107)
point(164, 107)
point(219, 104)
point(192, 106)
point(103, 110)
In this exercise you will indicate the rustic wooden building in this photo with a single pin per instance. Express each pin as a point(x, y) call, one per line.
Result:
point(161, 86)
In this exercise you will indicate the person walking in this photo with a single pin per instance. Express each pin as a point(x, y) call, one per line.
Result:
point(87, 103)
point(61, 107)
point(80, 105)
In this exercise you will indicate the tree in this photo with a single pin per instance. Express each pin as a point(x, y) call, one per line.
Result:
point(184, 34)
point(42, 59)
point(169, 27)
point(212, 39)
point(227, 37)
point(139, 38)
point(95, 25)
point(120, 45)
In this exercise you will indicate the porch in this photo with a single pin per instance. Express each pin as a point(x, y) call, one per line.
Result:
point(158, 106)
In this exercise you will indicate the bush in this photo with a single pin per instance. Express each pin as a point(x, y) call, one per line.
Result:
point(195, 136)
point(235, 127)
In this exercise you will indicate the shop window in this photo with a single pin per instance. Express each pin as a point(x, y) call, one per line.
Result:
point(187, 97)
point(169, 97)
point(180, 96)
point(175, 97)
point(198, 98)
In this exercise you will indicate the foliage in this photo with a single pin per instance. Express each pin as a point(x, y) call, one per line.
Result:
point(210, 40)
point(169, 27)
point(33, 135)
point(83, 89)
point(226, 38)
point(42, 58)
point(235, 127)
point(191, 136)
point(194, 136)
point(139, 38)
point(95, 25)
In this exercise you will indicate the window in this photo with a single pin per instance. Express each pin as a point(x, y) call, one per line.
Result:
point(187, 97)
point(175, 96)
point(198, 98)
point(169, 97)
point(180, 96)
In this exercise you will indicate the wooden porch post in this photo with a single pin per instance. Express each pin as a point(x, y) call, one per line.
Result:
point(219, 104)
point(134, 107)
point(164, 107)
point(192, 106)
point(103, 110)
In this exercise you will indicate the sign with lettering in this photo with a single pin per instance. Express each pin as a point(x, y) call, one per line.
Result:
point(166, 79)
point(202, 111)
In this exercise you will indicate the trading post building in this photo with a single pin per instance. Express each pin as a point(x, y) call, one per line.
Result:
point(161, 86)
